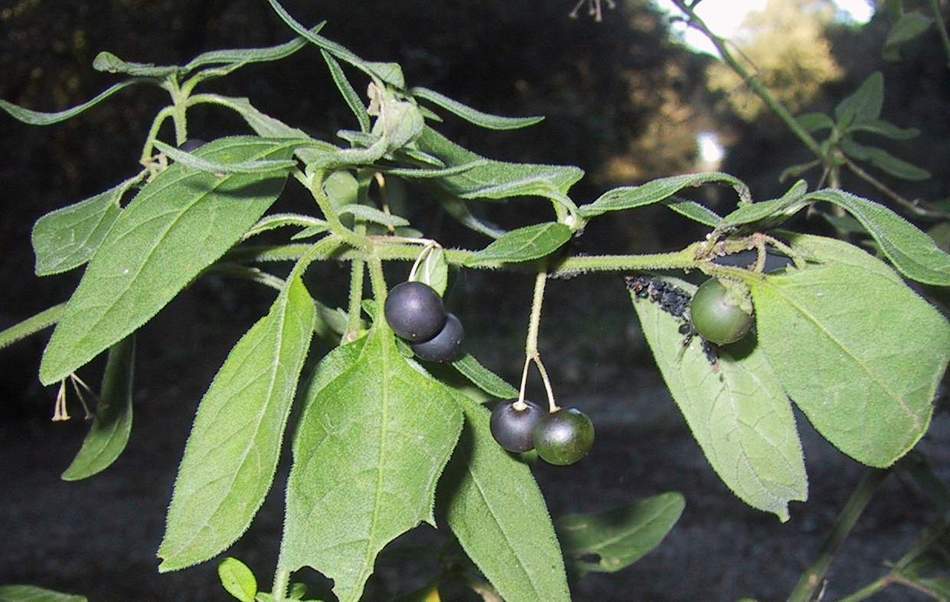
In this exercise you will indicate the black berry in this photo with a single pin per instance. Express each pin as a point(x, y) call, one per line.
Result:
point(564, 437)
point(513, 428)
point(445, 346)
point(414, 311)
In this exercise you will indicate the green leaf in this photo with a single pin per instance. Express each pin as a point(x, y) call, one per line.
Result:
point(237, 579)
point(39, 118)
point(495, 179)
point(739, 415)
point(109, 433)
point(907, 27)
point(898, 168)
point(621, 536)
point(886, 129)
point(483, 378)
point(180, 223)
point(350, 96)
point(434, 270)
point(485, 120)
point(815, 122)
point(32, 593)
point(373, 215)
point(66, 238)
point(235, 442)
point(31, 325)
point(107, 62)
point(864, 105)
point(495, 509)
point(694, 211)
point(246, 56)
point(245, 167)
point(413, 173)
point(631, 197)
point(524, 244)
point(369, 449)
point(384, 71)
point(911, 251)
point(860, 353)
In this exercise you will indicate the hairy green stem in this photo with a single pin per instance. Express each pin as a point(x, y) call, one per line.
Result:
point(157, 123)
point(281, 582)
point(814, 575)
point(31, 325)
point(868, 590)
point(773, 103)
point(534, 324)
point(912, 206)
point(351, 238)
point(356, 299)
point(938, 20)
point(378, 280)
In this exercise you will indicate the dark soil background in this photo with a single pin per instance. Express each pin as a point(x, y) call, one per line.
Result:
point(98, 537)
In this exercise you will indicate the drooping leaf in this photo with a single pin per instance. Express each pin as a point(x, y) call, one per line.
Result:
point(815, 122)
point(911, 251)
point(886, 129)
point(864, 104)
point(373, 215)
point(107, 62)
point(459, 210)
point(350, 96)
point(237, 579)
point(864, 367)
point(234, 445)
point(485, 120)
point(39, 118)
point(32, 593)
point(525, 244)
point(495, 179)
point(283, 220)
point(243, 167)
point(109, 433)
point(31, 325)
point(739, 414)
point(621, 536)
point(66, 238)
point(630, 197)
point(384, 71)
point(494, 507)
point(180, 223)
point(483, 378)
point(907, 27)
point(368, 452)
point(245, 56)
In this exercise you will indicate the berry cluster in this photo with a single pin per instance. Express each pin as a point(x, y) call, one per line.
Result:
point(415, 312)
point(561, 437)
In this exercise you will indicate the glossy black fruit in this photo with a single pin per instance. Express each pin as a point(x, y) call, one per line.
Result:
point(445, 346)
point(563, 437)
point(414, 311)
point(512, 428)
point(715, 316)
point(192, 144)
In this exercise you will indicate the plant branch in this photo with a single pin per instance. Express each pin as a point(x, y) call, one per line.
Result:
point(912, 206)
point(157, 123)
point(378, 280)
point(356, 299)
point(812, 578)
point(534, 324)
point(773, 103)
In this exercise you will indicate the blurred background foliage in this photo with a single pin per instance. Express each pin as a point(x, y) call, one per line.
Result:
point(625, 100)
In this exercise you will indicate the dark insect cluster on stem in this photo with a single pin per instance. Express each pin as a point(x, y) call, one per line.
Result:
point(674, 301)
